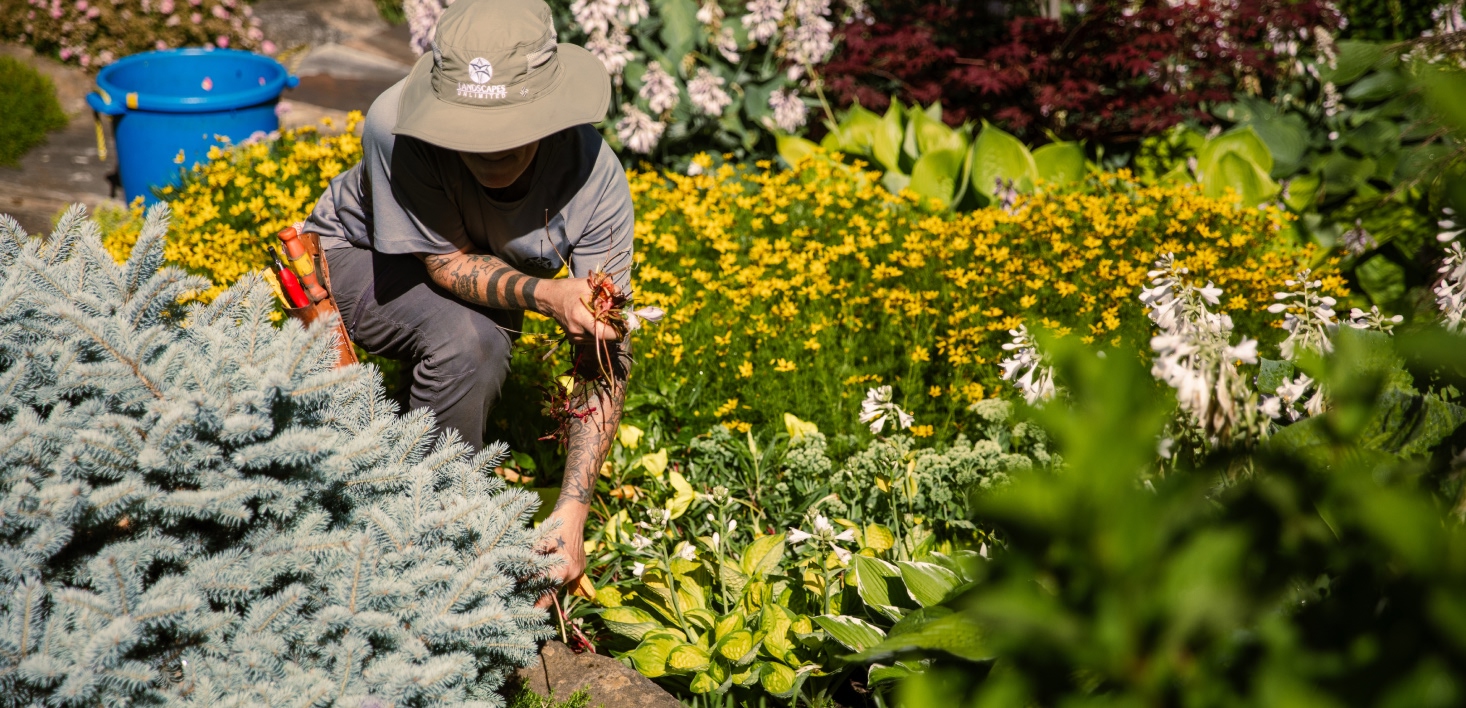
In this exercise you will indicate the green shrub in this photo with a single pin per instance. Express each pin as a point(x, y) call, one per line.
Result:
point(1321, 569)
point(29, 110)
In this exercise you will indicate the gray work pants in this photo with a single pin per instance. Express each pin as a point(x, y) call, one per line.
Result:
point(459, 351)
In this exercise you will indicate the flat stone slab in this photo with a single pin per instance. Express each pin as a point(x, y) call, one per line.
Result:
point(610, 683)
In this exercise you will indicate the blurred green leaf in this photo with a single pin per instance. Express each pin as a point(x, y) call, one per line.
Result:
point(886, 145)
point(680, 29)
point(762, 556)
point(1354, 58)
point(998, 155)
point(936, 173)
point(1059, 163)
point(1382, 279)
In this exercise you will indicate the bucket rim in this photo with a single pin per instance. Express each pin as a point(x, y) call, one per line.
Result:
point(142, 101)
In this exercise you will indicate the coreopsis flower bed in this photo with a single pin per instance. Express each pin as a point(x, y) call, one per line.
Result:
point(798, 290)
point(229, 208)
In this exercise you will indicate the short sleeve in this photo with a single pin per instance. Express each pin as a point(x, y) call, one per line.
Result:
point(415, 207)
point(609, 234)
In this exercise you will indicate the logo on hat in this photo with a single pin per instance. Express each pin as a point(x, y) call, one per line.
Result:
point(480, 70)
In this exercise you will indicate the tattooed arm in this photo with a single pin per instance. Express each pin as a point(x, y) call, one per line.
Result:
point(586, 449)
point(483, 279)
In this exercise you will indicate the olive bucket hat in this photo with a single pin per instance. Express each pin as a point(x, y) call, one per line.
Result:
point(497, 79)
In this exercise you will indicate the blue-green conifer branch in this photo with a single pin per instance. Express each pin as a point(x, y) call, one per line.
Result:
point(197, 509)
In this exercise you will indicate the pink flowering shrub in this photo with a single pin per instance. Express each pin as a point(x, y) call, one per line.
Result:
point(95, 33)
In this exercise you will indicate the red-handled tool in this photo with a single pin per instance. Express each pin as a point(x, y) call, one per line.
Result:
point(303, 265)
point(288, 282)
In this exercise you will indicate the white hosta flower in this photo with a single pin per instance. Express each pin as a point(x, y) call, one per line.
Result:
point(1195, 356)
point(1036, 382)
point(658, 89)
point(637, 131)
point(1373, 319)
point(705, 90)
point(638, 569)
point(824, 534)
point(640, 542)
point(1357, 240)
point(790, 113)
point(711, 13)
point(717, 540)
point(1450, 292)
point(727, 45)
point(810, 42)
point(762, 20)
point(1309, 317)
point(595, 15)
point(686, 551)
point(1450, 228)
point(878, 408)
point(612, 49)
point(650, 315)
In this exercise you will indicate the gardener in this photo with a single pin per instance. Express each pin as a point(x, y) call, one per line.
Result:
point(479, 173)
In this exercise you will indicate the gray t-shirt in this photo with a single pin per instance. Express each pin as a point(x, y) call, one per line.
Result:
point(407, 196)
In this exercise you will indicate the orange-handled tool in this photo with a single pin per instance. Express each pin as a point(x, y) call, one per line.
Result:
point(303, 264)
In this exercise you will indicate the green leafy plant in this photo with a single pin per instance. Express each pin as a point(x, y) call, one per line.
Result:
point(29, 110)
point(949, 165)
point(1326, 573)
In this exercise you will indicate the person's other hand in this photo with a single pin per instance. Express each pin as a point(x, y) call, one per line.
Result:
point(569, 304)
point(567, 542)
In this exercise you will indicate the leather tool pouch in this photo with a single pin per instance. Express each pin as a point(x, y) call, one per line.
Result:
point(345, 353)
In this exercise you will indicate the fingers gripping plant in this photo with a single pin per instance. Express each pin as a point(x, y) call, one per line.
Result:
point(198, 510)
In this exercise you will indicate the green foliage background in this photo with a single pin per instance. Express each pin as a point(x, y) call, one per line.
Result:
point(29, 110)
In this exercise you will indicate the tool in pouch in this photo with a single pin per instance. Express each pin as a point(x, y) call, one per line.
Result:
point(303, 256)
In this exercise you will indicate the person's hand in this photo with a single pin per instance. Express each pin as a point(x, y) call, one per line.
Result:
point(569, 304)
point(567, 542)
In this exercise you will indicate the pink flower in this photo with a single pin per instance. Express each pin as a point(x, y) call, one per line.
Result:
point(195, 3)
point(219, 12)
point(222, 41)
point(268, 47)
point(65, 54)
point(166, 7)
point(172, 21)
point(55, 13)
point(255, 34)
point(81, 5)
point(196, 18)
point(85, 60)
point(92, 13)
point(161, 45)
point(105, 57)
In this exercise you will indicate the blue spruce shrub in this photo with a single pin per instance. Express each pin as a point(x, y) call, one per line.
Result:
point(198, 510)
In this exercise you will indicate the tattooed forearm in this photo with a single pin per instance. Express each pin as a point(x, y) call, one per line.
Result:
point(590, 437)
point(484, 280)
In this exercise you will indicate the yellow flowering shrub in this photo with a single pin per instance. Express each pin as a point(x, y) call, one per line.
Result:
point(798, 290)
point(230, 208)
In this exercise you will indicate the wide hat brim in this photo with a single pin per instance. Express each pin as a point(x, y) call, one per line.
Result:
point(581, 94)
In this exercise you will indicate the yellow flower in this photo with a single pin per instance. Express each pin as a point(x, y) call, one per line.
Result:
point(783, 365)
point(923, 431)
point(745, 370)
point(812, 344)
point(727, 408)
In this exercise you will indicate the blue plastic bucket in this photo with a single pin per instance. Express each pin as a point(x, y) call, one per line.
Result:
point(171, 106)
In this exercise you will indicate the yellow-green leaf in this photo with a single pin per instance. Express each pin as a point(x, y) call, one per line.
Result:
point(736, 645)
point(777, 679)
point(729, 623)
point(879, 538)
point(655, 463)
point(687, 659)
point(682, 498)
point(762, 556)
point(703, 683)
